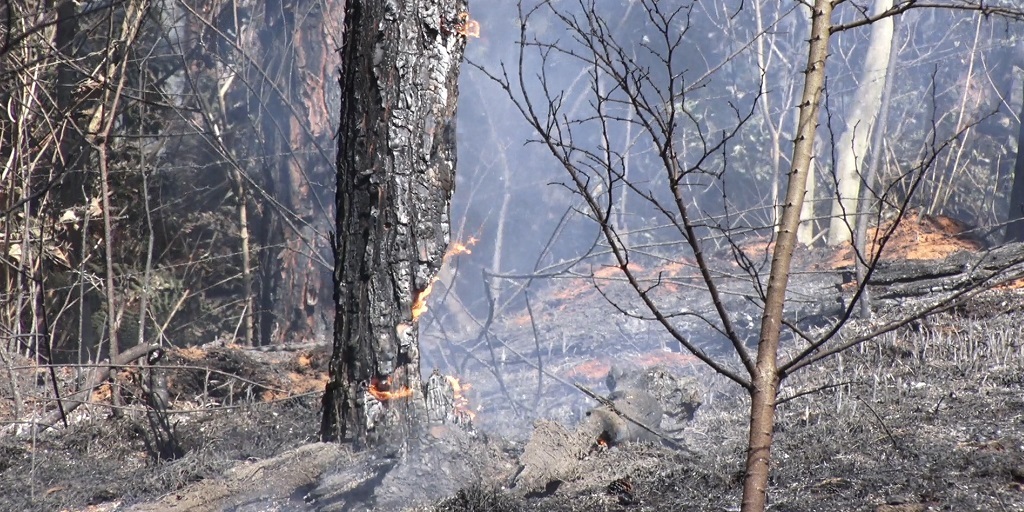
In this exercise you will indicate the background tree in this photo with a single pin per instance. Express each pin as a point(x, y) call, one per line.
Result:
point(852, 147)
point(166, 169)
point(217, 169)
point(263, 73)
point(1015, 216)
point(396, 172)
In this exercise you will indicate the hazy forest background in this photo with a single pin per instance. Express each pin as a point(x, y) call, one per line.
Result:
point(168, 174)
point(168, 166)
point(209, 125)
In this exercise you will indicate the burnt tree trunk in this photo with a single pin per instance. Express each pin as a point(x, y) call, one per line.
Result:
point(296, 131)
point(396, 171)
point(1015, 217)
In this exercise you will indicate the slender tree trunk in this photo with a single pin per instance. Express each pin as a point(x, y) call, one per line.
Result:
point(1015, 217)
point(766, 375)
point(396, 170)
point(100, 129)
point(249, 324)
point(853, 142)
point(867, 191)
point(72, 147)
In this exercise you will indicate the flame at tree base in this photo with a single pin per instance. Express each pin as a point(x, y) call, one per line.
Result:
point(456, 406)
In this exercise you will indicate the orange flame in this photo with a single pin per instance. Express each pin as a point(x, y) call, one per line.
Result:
point(461, 402)
point(386, 394)
point(419, 306)
point(467, 27)
point(457, 248)
point(461, 248)
point(594, 369)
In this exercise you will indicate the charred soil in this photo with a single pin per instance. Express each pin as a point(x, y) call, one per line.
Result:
point(927, 417)
point(930, 417)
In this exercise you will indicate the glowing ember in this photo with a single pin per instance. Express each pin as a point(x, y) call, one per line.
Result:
point(460, 248)
point(387, 394)
point(461, 402)
point(466, 26)
point(666, 358)
point(457, 248)
point(593, 370)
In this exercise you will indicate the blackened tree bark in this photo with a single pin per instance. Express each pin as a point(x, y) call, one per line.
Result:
point(396, 165)
point(1015, 217)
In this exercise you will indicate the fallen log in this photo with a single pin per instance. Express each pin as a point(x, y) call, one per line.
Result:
point(960, 271)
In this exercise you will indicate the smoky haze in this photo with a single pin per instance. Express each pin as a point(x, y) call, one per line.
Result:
point(229, 136)
point(738, 76)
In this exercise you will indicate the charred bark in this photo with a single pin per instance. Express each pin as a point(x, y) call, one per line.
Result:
point(961, 271)
point(1015, 221)
point(296, 132)
point(396, 164)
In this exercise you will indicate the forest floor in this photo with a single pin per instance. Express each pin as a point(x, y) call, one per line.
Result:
point(927, 417)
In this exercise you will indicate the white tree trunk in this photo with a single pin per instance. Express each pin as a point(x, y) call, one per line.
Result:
point(853, 142)
point(807, 233)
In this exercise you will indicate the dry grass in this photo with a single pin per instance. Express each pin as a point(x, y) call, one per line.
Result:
point(929, 416)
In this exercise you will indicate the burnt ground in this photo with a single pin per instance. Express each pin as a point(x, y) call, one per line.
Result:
point(928, 417)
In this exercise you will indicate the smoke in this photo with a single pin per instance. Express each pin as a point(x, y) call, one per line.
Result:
point(523, 309)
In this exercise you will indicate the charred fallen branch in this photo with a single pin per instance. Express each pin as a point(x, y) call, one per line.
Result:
point(98, 375)
point(961, 271)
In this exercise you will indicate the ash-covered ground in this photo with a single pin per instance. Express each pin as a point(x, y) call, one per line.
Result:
point(927, 417)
